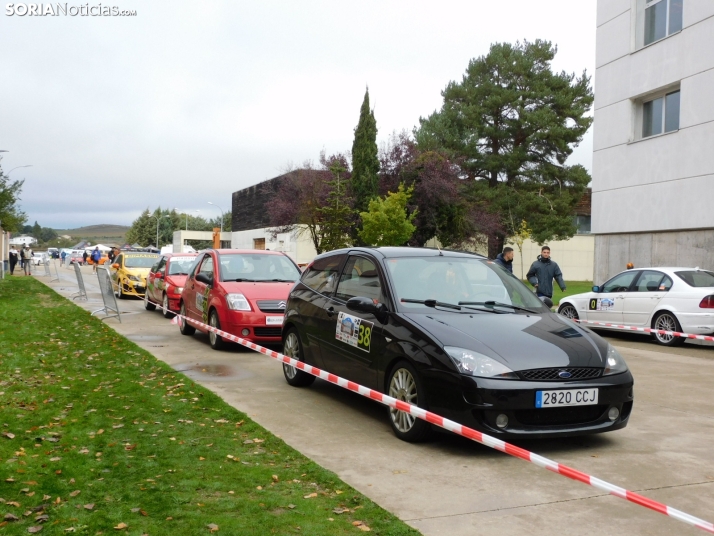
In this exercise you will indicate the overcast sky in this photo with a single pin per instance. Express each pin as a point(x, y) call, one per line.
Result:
point(187, 102)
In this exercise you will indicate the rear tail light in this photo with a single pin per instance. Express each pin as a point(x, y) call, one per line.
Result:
point(707, 302)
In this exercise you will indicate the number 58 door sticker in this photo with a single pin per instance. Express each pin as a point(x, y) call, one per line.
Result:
point(354, 331)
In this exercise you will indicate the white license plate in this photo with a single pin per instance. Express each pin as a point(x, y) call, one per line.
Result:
point(274, 320)
point(569, 397)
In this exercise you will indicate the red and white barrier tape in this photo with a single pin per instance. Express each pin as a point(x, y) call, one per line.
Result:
point(646, 330)
point(465, 431)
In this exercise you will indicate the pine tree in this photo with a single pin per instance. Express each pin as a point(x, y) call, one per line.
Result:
point(337, 214)
point(365, 161)
point(511, 123)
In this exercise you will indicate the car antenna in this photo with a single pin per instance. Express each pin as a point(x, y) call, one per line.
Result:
point(440, 253)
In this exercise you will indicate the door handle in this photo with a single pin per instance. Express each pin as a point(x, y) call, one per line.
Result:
point(330, 311)
point(620, 297)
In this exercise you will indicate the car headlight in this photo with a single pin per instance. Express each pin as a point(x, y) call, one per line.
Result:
point(614, 363)
point(133, 278)
point(476, 364)
point(178, 290)
point(237, 302)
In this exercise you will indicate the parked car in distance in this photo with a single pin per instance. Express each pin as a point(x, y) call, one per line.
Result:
point(242, 292)
point(103, 259)
point(76, 257)
point(668, 299)
point(39, 257)
point(129, 271)
point(456, 334)
point(165, 282)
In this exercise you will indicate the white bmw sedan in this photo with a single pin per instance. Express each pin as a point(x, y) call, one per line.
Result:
point(669, 299)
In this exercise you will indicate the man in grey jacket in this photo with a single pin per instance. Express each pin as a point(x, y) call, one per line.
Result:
point(542, 273)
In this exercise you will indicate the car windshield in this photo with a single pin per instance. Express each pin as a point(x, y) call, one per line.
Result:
point(180, 265)
point(457, 279)
point(697, 278)
point(257, 267)
point(139, 261)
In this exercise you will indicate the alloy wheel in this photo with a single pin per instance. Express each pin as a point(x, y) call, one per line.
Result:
point(403, 387)
point(291, 348)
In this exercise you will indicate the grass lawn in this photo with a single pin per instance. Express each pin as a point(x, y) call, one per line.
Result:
point(99, 437)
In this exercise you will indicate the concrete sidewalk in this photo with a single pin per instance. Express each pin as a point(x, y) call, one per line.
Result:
point(452, 486)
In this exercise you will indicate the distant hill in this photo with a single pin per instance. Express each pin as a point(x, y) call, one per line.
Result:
point(97, 233)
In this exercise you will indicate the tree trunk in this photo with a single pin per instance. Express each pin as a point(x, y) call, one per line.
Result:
point(495, 245)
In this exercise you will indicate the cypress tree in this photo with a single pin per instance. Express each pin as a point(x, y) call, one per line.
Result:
point(365, 162)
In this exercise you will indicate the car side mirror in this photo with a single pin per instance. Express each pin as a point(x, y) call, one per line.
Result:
point(203, 278)
point(547, 301)
point(115, 266)
point(159, 275)
point(596, 289)
point(363, 305)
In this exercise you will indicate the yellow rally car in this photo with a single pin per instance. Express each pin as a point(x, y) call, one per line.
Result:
point(129, 272)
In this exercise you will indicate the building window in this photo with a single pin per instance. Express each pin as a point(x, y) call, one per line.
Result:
point(657, 19)
point(582, 223)
point(660, 114)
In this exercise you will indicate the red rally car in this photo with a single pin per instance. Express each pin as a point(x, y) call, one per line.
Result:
point(165, 282)
point(243, 292)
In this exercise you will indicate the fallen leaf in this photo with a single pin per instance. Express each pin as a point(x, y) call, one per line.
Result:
point(42, 518)
point(13, 503)
point(339, 511)
point(89, 506)
point(143, 513)
point(9, 435)
point(11, 517)
point(71, 480)
point(169, 518)
point(212, 527)
point(9, 480)
point(291, 506)
point(45, 497)
point(118, 426)
point(75, 493)
point(259, 487)
point(135, 510)
point(83, 451)
point(33, 530)
point(130, 447)
point(121, 526)
point(55, 459)
point(338, 492)
point(201, 458)
point(310, 496)
point(99, 432)
point(275, 478)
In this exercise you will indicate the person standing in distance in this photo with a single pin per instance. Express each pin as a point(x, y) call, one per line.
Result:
point(27, 259)
point(505, 259)
point(542, 273)
point(96, 256)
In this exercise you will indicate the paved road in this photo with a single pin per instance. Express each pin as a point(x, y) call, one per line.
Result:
point(452, 486)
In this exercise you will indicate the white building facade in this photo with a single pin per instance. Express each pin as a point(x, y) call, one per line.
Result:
point(23, 240)
point(653, 153)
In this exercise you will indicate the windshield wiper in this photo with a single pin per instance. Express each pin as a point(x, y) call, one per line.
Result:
point(491, 303)
point(281, 280)
point(241, 280)
point(431, 303)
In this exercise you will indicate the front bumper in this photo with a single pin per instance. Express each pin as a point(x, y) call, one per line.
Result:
point(477, 402)
point(133, 288)
point(255, 323)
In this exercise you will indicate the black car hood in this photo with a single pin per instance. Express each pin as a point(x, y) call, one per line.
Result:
point(520, 341)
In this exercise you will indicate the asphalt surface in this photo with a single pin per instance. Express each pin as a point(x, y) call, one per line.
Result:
point(453, 486)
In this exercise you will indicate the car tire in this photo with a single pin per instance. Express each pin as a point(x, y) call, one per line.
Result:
point(568, 311)
point(120, 292)
point(147, 304)
point(404, 384)
point(215, 340)
point(292, 347)
point(664, 320)
point(166, 311)
point(184, 328)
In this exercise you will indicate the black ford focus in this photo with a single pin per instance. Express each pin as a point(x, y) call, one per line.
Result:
point(455, 334)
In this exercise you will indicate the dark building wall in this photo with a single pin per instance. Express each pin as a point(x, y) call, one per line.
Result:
point(248, 205)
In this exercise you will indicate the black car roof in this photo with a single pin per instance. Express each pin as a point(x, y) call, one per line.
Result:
point(397, 252)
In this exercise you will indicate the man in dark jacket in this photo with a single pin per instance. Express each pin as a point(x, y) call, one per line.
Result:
point(542, 273)
point(505, 259)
